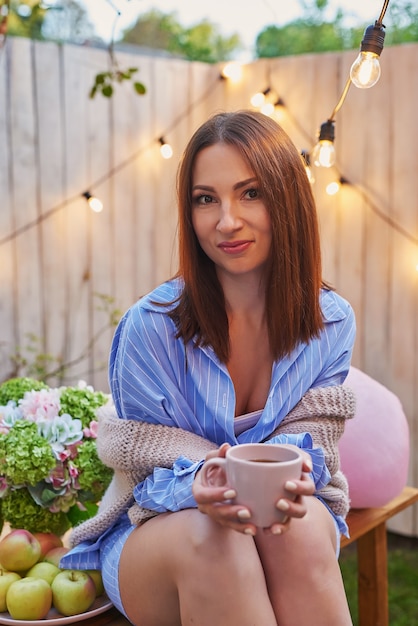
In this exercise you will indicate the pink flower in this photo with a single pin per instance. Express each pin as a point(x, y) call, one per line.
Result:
point(91, 431)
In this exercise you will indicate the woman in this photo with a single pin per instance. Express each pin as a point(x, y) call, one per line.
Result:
point(245, 344)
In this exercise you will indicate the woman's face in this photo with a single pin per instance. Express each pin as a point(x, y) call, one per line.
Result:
point(229, 217)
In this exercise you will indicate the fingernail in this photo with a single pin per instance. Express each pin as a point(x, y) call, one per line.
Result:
point(276, 530)
point(290, 485)
point(283, 505)
point(229, 494)
point(249, 531)
point(244, 514)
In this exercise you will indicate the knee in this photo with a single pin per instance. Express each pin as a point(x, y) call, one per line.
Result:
point(211, 540)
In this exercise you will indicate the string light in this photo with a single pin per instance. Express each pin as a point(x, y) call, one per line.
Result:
point(335, 186)
point(165, 149)
point(232, 71)
point(323, 154)
point(259, 98)
point(94, 203)
point(307, 163)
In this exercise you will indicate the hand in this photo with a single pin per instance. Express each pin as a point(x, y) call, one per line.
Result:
point(301, 488)
point(216, 501)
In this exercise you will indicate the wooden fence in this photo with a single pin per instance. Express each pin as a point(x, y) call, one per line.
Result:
point(56, 255)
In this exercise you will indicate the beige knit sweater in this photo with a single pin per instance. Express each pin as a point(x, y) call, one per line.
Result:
point(132, 449)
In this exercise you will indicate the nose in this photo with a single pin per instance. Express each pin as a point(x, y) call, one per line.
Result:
point(229, 218)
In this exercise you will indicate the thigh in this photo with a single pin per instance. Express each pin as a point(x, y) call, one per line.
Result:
point(166, 564)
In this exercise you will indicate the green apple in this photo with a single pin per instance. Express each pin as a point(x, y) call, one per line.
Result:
point(55, 555)
point(48, 541)
point(44, 570)
point(73, 592)
point(96, 575)
point(19, 550)
point(6, 579)
point(29, 598)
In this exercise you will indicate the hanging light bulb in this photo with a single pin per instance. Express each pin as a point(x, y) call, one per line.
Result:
point(365, 71)
point(279, 109)
point(165, 149)
point(335, 186)
point(258, 98)
point(307, 163)
point(233, 71)
point(267, 108)
point(323, 154)
point(94, 203)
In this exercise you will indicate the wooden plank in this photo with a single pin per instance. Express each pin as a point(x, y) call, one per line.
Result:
point(361, 521)
point(373, 607)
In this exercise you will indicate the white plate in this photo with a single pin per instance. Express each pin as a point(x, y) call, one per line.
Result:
point(101, 604)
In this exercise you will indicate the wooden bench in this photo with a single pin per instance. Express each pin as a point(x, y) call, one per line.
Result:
point(368, 529)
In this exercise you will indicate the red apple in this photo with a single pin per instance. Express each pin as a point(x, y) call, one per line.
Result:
point(29, 599)
point(55, 555)
point(19, 550)
point(48, 541)
point(6, 579)
point(96, 575)
point(73, 592)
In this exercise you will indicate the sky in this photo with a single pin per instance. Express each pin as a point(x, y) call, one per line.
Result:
point(245, 17)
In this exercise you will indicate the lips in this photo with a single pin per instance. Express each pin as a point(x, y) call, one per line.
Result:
point(235, 247)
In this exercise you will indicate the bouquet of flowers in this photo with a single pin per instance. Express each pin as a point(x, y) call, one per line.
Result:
point(51, 477)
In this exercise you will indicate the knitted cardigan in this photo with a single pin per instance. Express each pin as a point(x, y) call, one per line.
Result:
point(133, 448)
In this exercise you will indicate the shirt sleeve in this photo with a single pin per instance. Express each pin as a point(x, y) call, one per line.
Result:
point(145, 386)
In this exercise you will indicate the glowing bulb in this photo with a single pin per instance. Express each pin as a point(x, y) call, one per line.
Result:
point(165, 149)
point(258, 99)
point(233, 71)
point(94, 203)
point(323, 154)
point(333, 188)
point(365, 71)
point(267, 108)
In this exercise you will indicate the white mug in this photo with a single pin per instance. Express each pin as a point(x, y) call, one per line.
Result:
point(257, 472)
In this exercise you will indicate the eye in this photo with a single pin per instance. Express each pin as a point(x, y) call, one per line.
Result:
point(252, 194)
point(202, 199)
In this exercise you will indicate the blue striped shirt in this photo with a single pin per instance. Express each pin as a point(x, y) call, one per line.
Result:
point(157, 378)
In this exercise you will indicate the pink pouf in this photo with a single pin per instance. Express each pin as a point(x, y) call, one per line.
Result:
point(374, 448)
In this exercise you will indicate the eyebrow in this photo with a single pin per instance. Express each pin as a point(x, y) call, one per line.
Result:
point(239, 185)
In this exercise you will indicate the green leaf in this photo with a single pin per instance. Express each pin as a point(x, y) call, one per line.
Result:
point(93, 91)
point(140, 88)
point(107, 91)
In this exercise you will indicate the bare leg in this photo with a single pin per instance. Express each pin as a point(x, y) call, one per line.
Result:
point(183, 569)
point(303, 575)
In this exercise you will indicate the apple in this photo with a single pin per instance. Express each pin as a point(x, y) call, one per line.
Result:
point(6, 579)
point(55, 555)
point(96, 575)
point(44, 570)
point(29, 598)
point(19, 550)
point(73, 592)
point(48, 541)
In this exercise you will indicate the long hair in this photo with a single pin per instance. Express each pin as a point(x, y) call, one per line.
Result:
point(293, 273)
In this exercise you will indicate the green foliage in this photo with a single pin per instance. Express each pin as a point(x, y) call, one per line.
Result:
point(25, 456)
point(15, 388)
point(200, 42)
point(25, 18)
point(81, 403)
point(312, 33)
point(21, 511)
point(104, 81)
point(94, 477)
